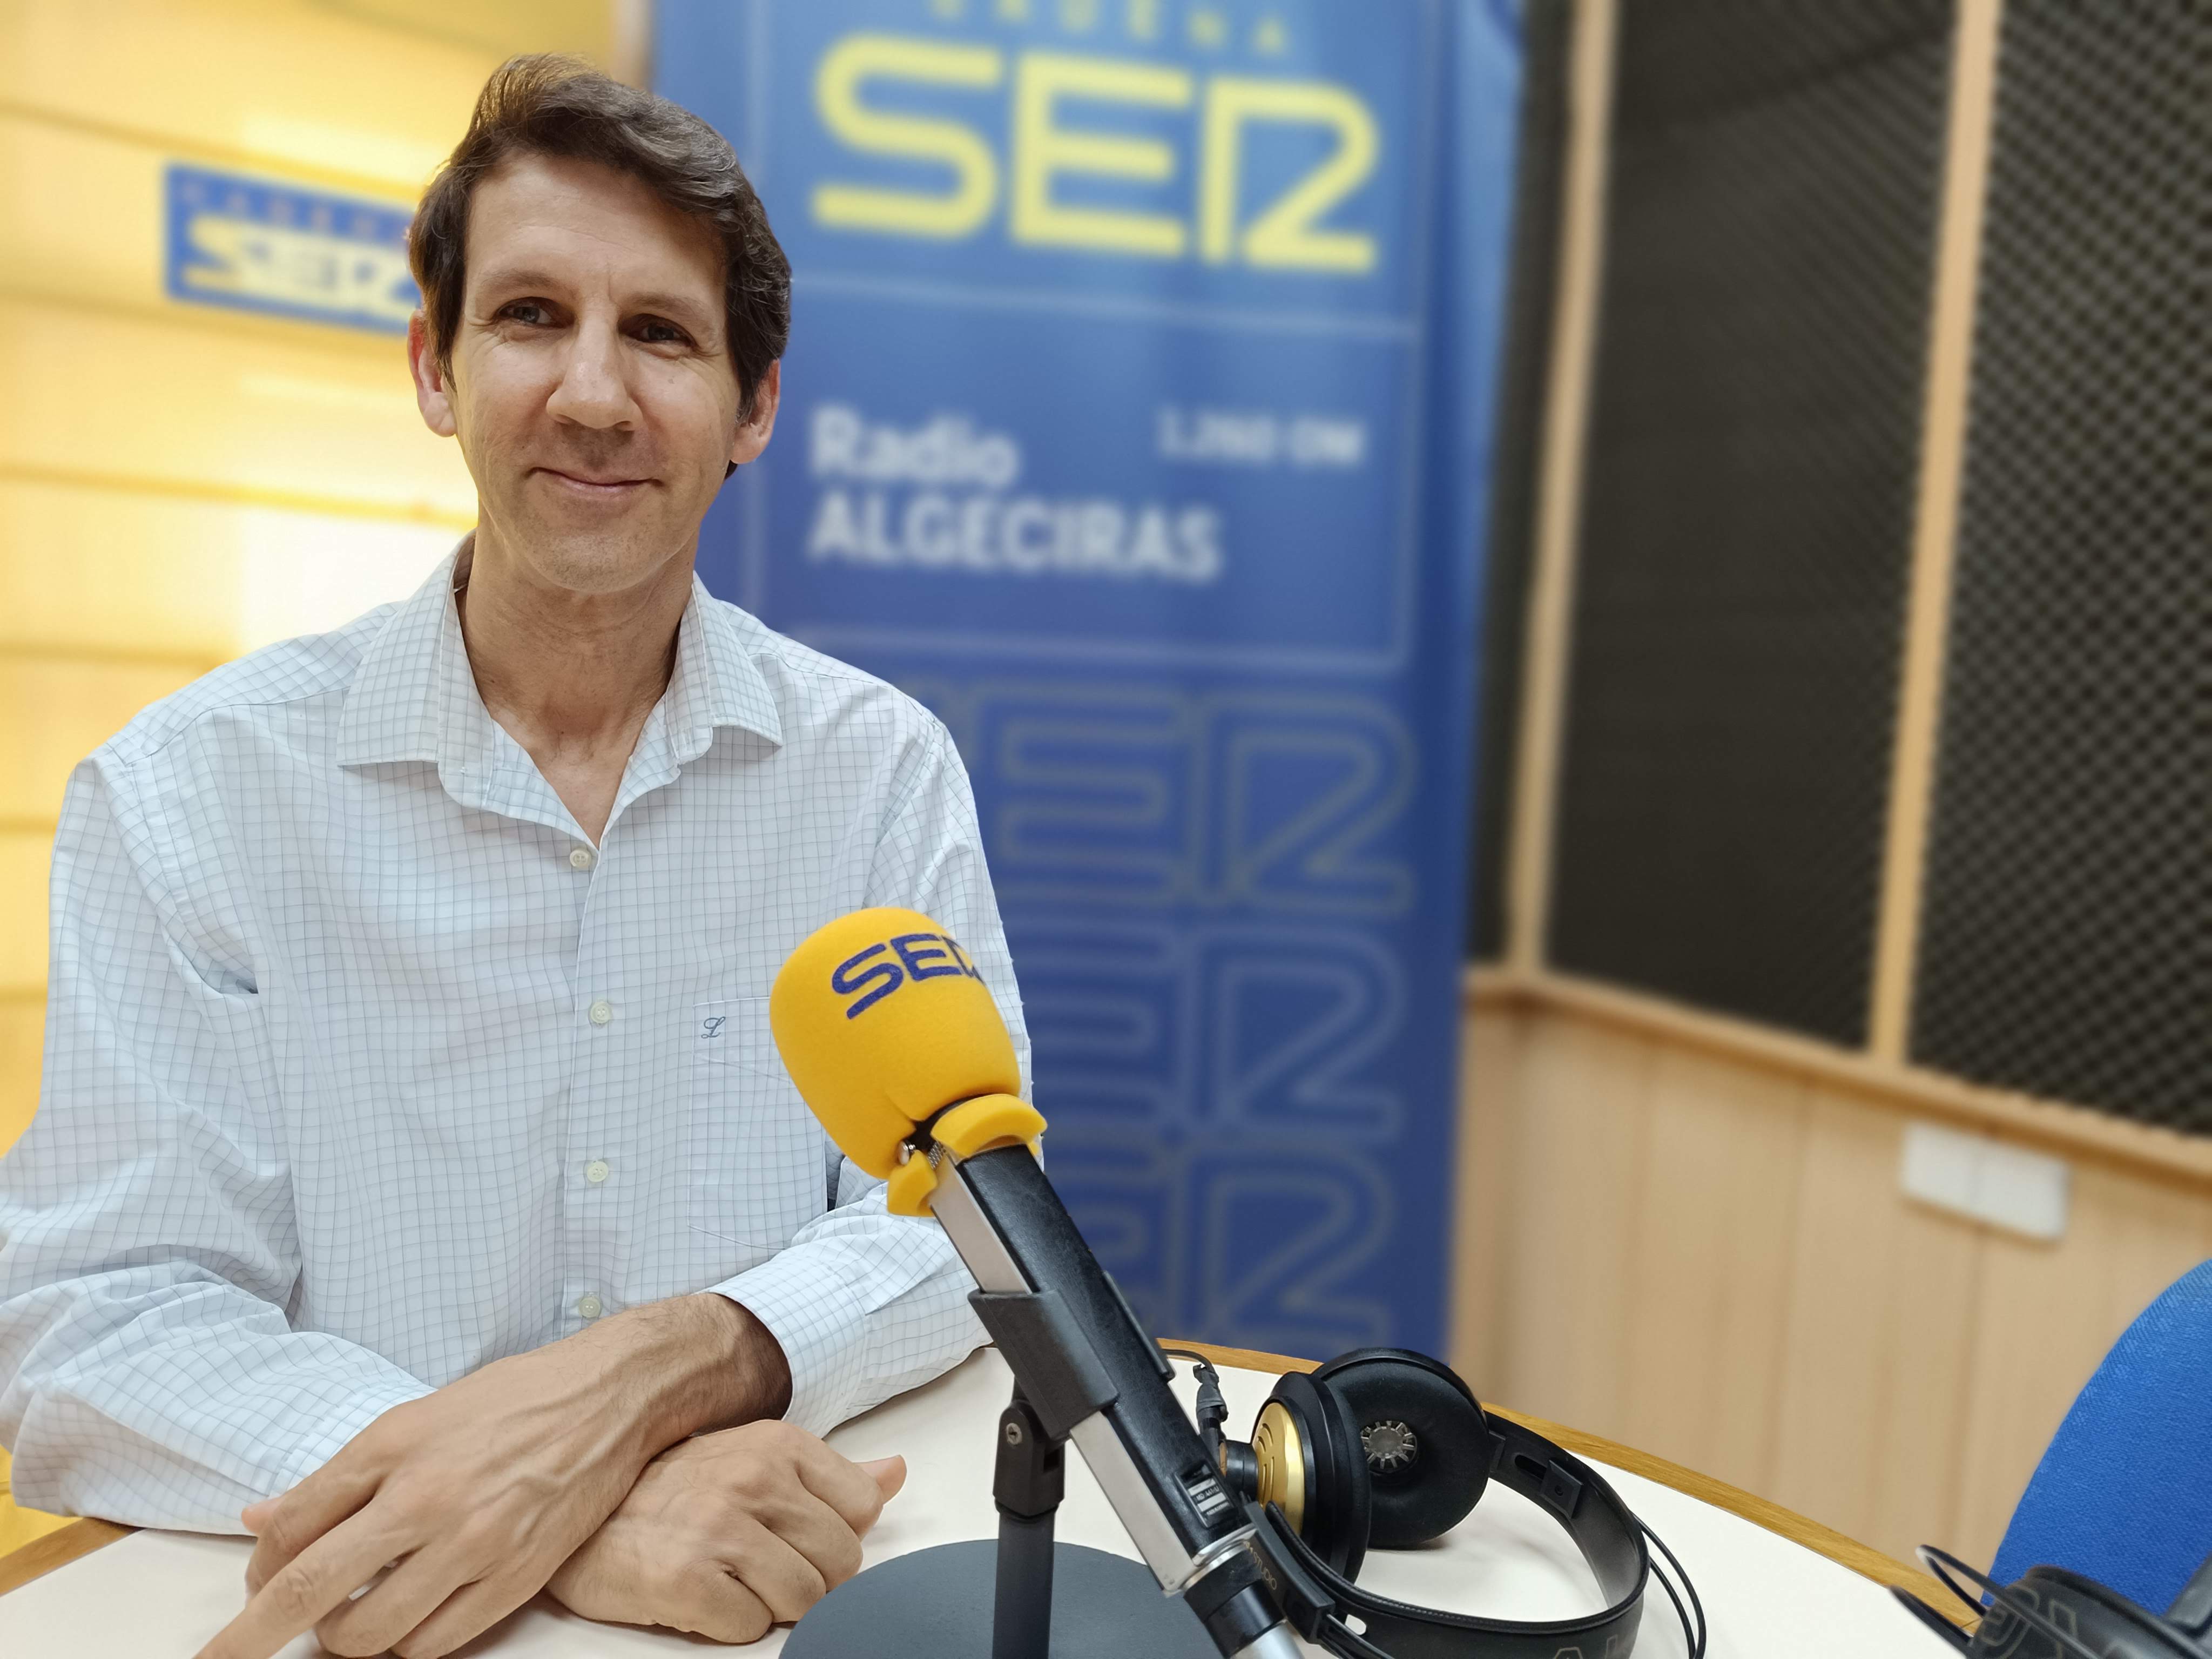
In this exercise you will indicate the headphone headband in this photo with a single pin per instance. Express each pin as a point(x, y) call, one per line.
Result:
point(1604, 1528)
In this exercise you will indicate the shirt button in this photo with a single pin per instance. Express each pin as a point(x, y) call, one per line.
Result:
point(602, 1011)
point(582, 858)
point(596, 1170)
point(591, 1307)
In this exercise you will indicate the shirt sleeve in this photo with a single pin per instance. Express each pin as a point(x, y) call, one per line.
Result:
point(866, 1304)
point(148, 1244)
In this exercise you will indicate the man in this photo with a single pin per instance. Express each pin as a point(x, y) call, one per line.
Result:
point(415, 1177)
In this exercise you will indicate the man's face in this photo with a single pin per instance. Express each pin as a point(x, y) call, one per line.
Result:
point(591, 385)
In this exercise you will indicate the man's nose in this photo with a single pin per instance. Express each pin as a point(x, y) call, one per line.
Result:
point(594, 392)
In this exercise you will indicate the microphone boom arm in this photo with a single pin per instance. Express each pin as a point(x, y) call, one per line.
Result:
point(1015, 1236)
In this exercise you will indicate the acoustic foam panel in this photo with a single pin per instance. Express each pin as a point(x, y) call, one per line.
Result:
point(2066, 942)
point(1749, 487)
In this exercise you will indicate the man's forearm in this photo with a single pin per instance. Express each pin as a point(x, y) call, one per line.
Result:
point(692, 1364)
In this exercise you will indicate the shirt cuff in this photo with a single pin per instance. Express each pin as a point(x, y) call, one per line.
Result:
point(342, 1422)
point(821, 1326)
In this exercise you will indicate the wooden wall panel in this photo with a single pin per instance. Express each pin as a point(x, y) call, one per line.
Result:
point(1709, 1258)
point(1876, 1357)
point(1490, 1069)
point(1578, 1153)
point(1711, 1262)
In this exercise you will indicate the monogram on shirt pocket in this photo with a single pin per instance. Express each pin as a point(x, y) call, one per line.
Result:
point(759, 1160)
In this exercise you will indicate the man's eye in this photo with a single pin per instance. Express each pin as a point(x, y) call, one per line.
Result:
point(657, 333)
point(526, 310)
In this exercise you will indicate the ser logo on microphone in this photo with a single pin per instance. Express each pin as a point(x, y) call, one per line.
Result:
point(870, 975)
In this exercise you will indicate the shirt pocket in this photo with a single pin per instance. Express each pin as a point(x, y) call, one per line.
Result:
point(759, 1160)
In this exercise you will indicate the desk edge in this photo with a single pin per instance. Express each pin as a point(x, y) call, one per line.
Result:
point(57, 1549)
point(1862, 1559)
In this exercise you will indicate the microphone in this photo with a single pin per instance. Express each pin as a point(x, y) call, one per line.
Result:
point(891, 1036)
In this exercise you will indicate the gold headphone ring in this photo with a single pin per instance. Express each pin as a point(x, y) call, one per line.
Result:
point(1281, 1455)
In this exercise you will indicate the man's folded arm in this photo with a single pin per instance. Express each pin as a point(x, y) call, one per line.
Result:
point(148, 1245)
point(867, 1304)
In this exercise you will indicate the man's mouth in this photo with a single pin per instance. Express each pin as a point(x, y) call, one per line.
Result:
point(589, 486)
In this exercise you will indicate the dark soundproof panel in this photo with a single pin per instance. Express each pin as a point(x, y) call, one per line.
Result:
point(2066, 942)
point(1749, 498)
point(1510, 541)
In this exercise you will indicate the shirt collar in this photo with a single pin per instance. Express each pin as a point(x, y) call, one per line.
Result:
point(716, 682)
point(414, 698)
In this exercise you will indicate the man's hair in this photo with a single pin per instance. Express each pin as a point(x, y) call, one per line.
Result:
point(547, 105)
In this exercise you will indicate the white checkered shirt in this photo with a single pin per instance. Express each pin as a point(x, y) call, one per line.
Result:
point(364, 1068)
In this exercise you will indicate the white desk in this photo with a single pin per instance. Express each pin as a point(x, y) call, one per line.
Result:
point(160, 1596)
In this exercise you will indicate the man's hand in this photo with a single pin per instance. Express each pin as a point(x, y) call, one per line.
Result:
point(729, 1533)
point(480, 1490)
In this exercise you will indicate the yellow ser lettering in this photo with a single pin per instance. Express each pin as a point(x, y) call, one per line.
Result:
point(859, 58)
point(1044, 149)
point(1286, 236)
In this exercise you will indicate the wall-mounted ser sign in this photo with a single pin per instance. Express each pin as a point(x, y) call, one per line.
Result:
point(254, 245)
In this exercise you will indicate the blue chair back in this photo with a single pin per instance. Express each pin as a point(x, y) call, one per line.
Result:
point(2124, 1492)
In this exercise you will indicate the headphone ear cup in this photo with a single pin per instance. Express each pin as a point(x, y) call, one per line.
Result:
point(1338, 1511)
point(1424, 1443)
point(2105, 1620)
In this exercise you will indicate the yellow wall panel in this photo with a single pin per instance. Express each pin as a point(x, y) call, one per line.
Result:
point(26, 856)
point(105, 572)
point(22, 1029)
point(152, 402)
point(294, 86)
point(54, 247)
point(19, 1527)
point(114, 255)
point(99, 572)
point(586, 27)
point(300, 574)
point(180, 483)
point(73, 709)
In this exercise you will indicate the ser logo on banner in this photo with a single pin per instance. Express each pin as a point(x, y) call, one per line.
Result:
point(254, 245)
point(1046, 147)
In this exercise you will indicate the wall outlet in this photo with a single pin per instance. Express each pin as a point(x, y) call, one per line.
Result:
point(1986, 1180)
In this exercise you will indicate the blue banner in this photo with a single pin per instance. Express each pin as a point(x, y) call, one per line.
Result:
point(1136, 419)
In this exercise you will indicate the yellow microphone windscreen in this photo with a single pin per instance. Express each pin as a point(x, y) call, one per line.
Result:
point(882, 1020)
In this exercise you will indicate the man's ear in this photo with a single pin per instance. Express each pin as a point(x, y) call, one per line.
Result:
point(753, 433)
point(433, 395)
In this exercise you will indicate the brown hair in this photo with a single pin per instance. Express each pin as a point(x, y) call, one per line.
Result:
point(548, 104)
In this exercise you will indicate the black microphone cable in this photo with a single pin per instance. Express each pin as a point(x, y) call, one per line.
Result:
point(1212, 1409)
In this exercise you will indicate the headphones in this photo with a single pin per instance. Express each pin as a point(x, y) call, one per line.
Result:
point(1388, 1448)
point(2052, 1613)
